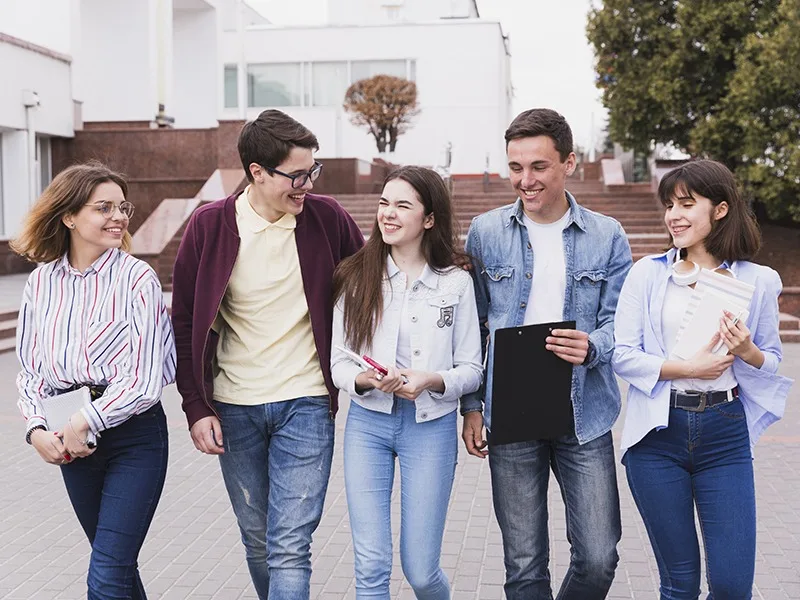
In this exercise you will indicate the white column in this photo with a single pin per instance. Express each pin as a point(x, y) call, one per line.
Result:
point(17, 198)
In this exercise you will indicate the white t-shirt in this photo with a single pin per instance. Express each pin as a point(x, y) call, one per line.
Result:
point(403, 356)
point(549, 284)
point(676, 300)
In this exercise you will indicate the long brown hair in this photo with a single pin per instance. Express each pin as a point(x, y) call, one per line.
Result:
point(44, 237)
point(359, 278)
point(736, 236)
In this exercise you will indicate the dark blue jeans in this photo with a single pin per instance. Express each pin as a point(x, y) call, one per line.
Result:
point(114, 492)
point(703, 461)
point(276, 466)
point(587, 477)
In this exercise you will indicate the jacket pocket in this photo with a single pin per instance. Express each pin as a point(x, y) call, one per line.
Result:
point(587, 290)
point(444, 309)
point(500, 284)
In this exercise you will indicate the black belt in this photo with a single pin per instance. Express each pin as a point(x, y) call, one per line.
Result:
point(699, 401)
point(95, 391)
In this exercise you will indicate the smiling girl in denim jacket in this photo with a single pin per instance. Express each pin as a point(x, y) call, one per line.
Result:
point(402, 301)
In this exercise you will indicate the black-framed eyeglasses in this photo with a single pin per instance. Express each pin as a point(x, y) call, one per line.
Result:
point(299, 180)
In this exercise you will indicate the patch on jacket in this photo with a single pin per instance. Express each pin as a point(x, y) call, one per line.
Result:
point(445, 317)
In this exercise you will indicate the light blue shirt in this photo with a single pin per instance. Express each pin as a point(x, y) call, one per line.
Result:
point(597, 257)
point(640, 350)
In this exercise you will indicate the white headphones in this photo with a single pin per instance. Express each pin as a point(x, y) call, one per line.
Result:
point(681, 276)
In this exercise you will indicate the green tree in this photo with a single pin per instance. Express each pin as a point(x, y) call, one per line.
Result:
point(385, 105)
point(717, 79)
point(760, 116)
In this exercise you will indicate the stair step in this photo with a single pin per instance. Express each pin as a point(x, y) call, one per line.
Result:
point(790, 337)
point(8, 314)
point(8, 328)
point(7, 345)
point(789, 323)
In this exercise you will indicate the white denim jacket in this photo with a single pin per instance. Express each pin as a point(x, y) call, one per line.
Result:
point(445, 338)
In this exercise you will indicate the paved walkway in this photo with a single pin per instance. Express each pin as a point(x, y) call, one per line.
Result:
point(193, 550)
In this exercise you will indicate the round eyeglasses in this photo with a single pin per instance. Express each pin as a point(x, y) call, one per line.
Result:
point(108, 209)
point(300, 179)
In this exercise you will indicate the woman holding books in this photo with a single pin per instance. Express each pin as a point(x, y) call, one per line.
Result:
point(401, 301)
point(92, 316)
point(690, 424)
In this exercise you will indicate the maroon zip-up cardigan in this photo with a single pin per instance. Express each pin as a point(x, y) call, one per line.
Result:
point(325, 234)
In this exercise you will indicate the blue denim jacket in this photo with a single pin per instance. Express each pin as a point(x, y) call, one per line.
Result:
point(598, 257)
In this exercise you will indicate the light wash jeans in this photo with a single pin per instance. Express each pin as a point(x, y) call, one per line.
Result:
point(276, 466)
point(701, 461)
point(427, 455)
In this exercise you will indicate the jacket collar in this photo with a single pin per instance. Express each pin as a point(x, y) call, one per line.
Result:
point(515, 211)
point(429, 278)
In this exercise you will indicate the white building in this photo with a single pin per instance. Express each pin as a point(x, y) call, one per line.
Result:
point(192, 63)
point(459, 62)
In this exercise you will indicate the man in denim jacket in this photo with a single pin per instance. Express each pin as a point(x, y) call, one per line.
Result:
point(544, 259)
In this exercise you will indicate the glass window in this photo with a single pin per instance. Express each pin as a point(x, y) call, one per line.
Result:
point(231, 86)
point(364, 69)
point(329, 81)
point(2, 207)
point(274, 85)
point(43, 157)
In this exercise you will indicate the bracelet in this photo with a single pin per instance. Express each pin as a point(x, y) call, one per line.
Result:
point(31, 430)
point(82, 442)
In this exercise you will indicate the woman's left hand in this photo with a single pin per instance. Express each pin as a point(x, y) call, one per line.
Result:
point(416, 382)
point(736, 338)
point(75, 433)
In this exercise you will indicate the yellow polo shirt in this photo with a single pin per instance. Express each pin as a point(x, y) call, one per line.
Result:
point(266, 350)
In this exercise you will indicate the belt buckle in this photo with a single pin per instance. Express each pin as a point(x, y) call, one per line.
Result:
point(702, 405)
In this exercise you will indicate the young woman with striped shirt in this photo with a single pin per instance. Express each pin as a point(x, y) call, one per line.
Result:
point(93, 315)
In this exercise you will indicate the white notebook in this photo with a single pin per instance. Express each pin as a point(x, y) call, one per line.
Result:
point(58, 409)
point(713, 294)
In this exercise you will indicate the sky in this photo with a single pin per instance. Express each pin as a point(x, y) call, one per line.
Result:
point(551, 59)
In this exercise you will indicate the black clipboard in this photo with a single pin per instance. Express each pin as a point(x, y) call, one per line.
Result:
point(532, 387)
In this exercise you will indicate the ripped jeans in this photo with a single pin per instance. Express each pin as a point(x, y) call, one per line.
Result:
point(276, 466)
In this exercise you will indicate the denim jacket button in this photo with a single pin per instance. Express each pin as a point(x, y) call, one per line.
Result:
point(423, 415)
point(523, 304)
point(528, 275)
point(414, 319)
point(416, 352)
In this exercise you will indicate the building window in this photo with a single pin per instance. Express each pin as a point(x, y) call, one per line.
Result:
point(45, 163)
point(231, 86)
point(2, 206)
point(274, 85)
point(329, 83)
point(364, 69)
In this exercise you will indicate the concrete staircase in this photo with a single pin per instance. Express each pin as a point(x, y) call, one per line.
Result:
point(8, 330)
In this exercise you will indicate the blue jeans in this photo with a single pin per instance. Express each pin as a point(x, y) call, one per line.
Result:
point(276, 466)
point(427, 455)
point(700, 460)
point(587, 477)
point(114, 492)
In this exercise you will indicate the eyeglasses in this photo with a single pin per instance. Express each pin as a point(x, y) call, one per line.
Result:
point(108, 209)
point(300, 179)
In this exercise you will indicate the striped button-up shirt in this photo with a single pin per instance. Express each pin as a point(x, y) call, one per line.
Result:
point(105, 326)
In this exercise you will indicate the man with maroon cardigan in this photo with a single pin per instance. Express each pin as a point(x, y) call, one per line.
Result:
point(252, 313)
